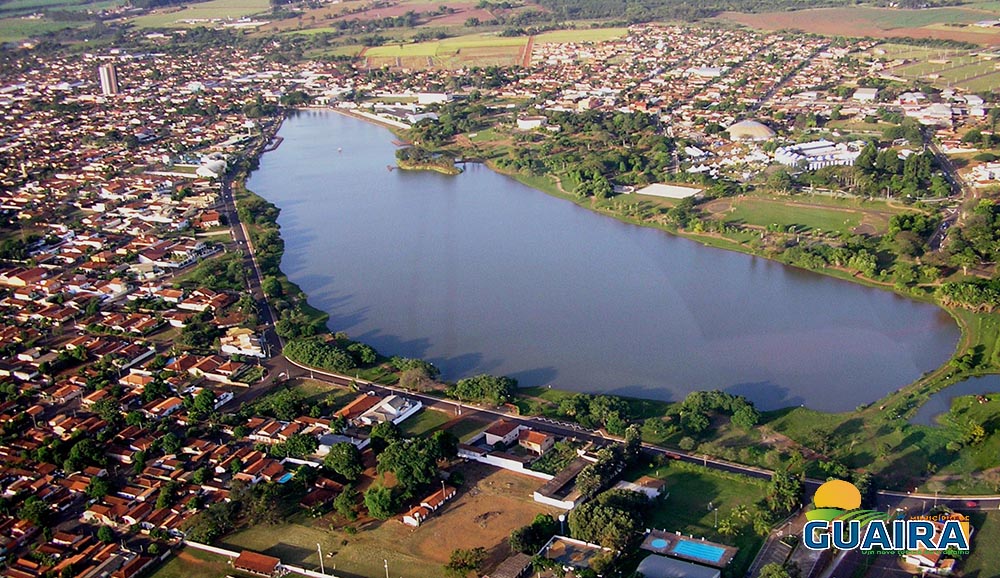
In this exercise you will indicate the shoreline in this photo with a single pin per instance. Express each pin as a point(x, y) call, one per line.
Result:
point(923, 386)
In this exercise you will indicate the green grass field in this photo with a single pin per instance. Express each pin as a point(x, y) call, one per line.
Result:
point(695, 493)
point(587, 35)
point(446, 47)
point(191, 563)
point(766, 213)
point(213, 9)
point(15, 29)
point(427, 421)
point(982, 563)
point(889, 19)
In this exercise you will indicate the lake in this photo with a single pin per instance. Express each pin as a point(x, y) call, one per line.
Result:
point(481, 274)
point(940, 402)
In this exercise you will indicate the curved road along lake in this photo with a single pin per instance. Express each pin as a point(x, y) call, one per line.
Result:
point(479, 273)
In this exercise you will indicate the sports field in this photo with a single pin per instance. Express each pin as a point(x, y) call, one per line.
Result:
point(213, 9)
point(804, 216)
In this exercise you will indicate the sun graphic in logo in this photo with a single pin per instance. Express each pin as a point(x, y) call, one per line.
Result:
point(838, 499)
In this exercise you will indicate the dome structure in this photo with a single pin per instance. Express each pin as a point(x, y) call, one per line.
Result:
point(750, 130)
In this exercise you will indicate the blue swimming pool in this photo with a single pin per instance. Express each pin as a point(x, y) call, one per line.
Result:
point(285, 478)
point(699, 551)
point(658, 543)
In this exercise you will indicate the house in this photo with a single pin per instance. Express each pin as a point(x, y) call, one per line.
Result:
point(503, 432)
point(392, 408)
point(258, 564)
point(535, 441)
point(241, 341)
point(416, 516)
point(358, 406)
point(651, 487)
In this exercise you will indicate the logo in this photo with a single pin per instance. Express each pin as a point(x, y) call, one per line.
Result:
point(837, 521)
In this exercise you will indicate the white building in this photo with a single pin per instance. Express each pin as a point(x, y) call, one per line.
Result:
point(865, 94)
point(818, 154)
point(668, 191)
point(530, 122)
point(393, 408)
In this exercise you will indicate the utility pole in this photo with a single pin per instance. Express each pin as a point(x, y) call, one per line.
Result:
point(386, 567)
point(322, 569)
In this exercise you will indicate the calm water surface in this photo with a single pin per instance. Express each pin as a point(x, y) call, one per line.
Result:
point(479, 273)
point(940, 402)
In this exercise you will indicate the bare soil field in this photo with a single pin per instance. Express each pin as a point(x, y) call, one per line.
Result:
point(874, 22)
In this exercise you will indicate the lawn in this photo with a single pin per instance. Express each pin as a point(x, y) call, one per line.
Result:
point(19, 7)
point(697, 495)
point(213, 9)
point(313, 391)
point(467, 428)
point(425, 422)
point(191, 563)
point(490, 504)
point(982, 563)
point(766, 213)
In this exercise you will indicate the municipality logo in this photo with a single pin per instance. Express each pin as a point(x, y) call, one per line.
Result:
point(837, 521)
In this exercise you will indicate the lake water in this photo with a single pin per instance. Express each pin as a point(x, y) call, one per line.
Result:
point(940, 402)
point(478, 273)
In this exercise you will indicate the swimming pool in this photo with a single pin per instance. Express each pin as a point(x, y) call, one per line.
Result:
point(699, 551)
point(658, 543)
point(285, 478)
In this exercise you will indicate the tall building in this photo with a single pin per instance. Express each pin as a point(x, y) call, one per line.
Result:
point(109, 79)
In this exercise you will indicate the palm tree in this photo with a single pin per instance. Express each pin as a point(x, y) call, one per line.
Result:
point(727, 527)
point(741, 513)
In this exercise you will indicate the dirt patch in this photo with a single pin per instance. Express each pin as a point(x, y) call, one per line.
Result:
point(719, 206)
point(490, 505)
point(864, 229)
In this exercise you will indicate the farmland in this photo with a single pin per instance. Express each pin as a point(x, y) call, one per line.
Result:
point(943, 67)
point(473, 49)
point(876, 22)
point(211, 10)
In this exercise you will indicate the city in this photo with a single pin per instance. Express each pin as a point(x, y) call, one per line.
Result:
point(172, 403)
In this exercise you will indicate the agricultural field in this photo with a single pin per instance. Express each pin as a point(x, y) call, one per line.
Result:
point(944, 23)
point(22, 7)
point(473, 49)
point(490, 504)
point(943, 67)
point(585, 35)
point(15, 29)
point(203, 11)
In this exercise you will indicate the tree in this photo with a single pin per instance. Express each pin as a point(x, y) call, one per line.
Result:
point(380, 502)
point(413, 462)
point(614, 519)
point(462, 562)
point(774, 570)
point(746, 417)
point(346, 501)
point(345, 459)
point(727, 527)
point(98, 488)
point(105, 534)
point(529, 539)
point(487, 388)
point(35, 511)
point(383, 434)
point(784, 493)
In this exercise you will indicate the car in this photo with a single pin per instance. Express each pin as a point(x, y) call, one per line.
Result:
point(972, 504)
